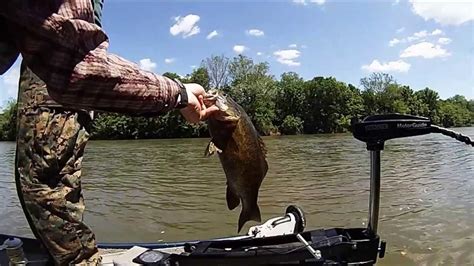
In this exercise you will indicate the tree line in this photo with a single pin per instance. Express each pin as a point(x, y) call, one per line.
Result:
point(288, 105)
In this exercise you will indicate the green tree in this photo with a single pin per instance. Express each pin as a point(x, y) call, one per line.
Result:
point(291, 125)
point(8, 121)
point(373, 88)
point(453, 114)
point(471, 106)
point(331, 105)
point(199, 76)
point(172, 75)
point(429, 104)
point(254, 89)
point(377, 82)
point(218, 70)
point(289, 98)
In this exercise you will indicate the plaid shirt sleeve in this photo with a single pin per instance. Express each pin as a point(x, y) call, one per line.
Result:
point(60, 43)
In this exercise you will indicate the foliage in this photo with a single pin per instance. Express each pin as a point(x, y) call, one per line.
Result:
point(170, 125)
point(330, 105)
point(429, 100)
point(254, 89)
point(289, 105)
point(199, 76)
point(8, 121)
point(291, 125)
point(290, 98)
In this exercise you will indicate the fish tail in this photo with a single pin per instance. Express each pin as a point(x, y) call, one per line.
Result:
point(249, 214)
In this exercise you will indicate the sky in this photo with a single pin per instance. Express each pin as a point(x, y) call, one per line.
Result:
point(422, 43)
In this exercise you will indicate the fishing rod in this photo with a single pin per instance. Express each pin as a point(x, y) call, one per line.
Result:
point(375, 130)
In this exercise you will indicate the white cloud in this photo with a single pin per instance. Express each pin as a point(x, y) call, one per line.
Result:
point(443, 11)
point(392, 66)
point(288, 57)
point(240, 49)
point(255, 32)
point(147, 64)
point(400, 30)
point(426, 50)
point(302, 2)
point(169, 60)
point(444, 40)
point(421, 35)
point(305, 2)
point(212, 35)
point(418, 35)
point(396, 2)
point(186, 26)
point(259, 53)
point(393, 42)
point(436, 32)
point(304, 46)
point(294, 45)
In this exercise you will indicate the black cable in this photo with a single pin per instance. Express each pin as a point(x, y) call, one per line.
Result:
point(452, 134)
point(317, 242)
point(314, 245)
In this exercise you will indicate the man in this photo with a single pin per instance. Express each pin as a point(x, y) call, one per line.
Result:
point(63, 47)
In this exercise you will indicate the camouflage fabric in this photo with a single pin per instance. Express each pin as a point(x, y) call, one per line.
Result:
point(50, 149)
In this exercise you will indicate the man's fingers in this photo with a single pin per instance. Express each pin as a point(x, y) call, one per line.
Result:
point(205, 113)
point(201, 102)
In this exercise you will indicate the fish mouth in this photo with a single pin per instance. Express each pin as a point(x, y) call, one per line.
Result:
point(214, 97)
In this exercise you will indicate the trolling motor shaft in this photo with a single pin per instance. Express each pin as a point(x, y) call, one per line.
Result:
point(374, 198)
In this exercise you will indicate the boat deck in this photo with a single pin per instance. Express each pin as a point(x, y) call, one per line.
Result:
point(125, 256)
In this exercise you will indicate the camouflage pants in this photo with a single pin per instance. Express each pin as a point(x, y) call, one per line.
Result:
point(50, 147)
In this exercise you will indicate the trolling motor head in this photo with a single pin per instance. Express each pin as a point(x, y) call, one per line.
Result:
point(375, 130)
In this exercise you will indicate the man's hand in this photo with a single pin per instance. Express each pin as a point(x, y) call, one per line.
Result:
point(196, 110)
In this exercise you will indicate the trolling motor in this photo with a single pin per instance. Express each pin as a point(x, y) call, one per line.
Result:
point(375, 130)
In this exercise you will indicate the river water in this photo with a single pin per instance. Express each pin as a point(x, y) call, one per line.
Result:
point(165, 190)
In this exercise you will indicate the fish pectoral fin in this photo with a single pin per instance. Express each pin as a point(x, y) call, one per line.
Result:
point(232, 200)
point(211, 149)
